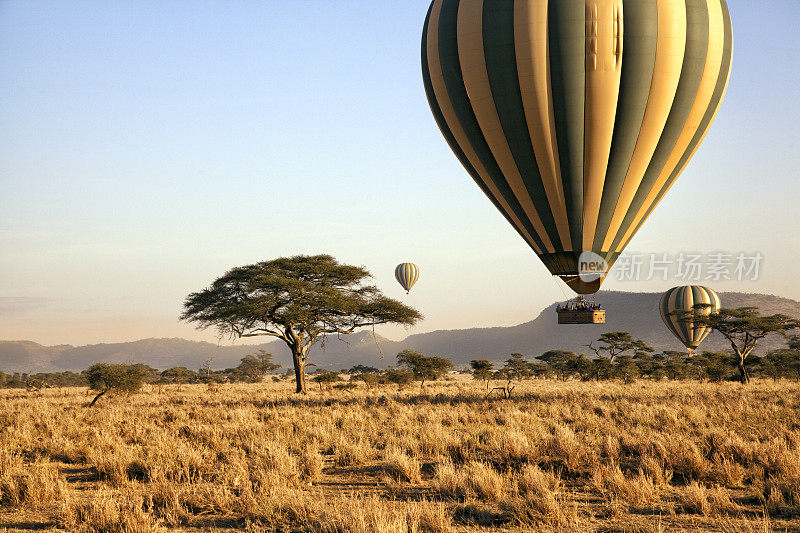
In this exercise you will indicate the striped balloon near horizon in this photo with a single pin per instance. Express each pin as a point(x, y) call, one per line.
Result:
point(575, 117)
point(684, 299)
point(407, 275)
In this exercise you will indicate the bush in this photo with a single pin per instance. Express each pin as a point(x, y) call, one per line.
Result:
point(400, 376)
point(326, 377)
point(370, 379)
point(119, 378)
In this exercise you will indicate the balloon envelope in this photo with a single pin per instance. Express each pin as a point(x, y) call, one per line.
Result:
point(575, 117)
point(684, 299)
point(407, 275)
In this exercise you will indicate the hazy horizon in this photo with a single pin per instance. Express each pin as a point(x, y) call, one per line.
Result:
point(147, 148)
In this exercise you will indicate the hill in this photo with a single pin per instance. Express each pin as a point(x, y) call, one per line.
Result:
point(26, 356)
point(632, 312)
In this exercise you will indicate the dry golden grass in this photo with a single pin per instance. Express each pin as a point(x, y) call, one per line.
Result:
point(557, 457)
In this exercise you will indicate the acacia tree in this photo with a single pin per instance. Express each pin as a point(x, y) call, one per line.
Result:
point(784, 362)
point(296, 299)
point(790, 358)
point(619, 342)
point(563, 363)
point(743, 327)
point(179, 375)
point(424, 367)
point(674, 363)
point(103, 377)
point(400, 376)
point(482, 369)
point(253, 368)
point(515, 369)
point(370, 379)
point(793, 342)
point(326, 378)
point(625, 367)
point(714, 366)
point(602, 368)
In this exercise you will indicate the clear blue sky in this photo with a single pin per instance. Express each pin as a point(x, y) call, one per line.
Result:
point(146, 147)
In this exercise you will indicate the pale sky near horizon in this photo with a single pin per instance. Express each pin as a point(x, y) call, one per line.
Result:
point(146, 147)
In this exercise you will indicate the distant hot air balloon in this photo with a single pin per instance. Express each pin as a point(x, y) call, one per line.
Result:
point(575, 117)
point(684, 299)
point(407, 275)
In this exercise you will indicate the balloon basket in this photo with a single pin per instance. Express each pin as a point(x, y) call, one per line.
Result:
point(579, 311)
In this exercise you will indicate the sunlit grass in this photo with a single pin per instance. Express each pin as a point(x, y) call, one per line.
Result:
point(558, 456)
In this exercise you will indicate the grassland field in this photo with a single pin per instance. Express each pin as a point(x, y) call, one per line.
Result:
point(557, 456)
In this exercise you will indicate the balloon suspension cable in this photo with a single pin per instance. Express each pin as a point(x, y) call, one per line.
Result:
point(564, 294)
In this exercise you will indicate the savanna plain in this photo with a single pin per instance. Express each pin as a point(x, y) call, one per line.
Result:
point(557, 456)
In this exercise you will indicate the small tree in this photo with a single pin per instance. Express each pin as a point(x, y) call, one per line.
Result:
point(626, 368)
point(675, 366)
point(583, 366)
point(482, 370)
point(784, 362)
point(253, 368)
point(563, 363)
point(517, 368)
point(103, 377)
point(742, 327)
point(178, 375)
point(3, 379)
point(650, 366)
point(424, 367)
point(714, 366)
point(326, 378)
point(772, 365)
point(212, 378)
point(207, 367)
point(602, 368)
point(793, 342)
point(370, 379)
point(360, 369)
point(296, 299)
point(617, 343)
point(400, 376)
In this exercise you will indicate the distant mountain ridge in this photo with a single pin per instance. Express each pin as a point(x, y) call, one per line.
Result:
point(633, 312)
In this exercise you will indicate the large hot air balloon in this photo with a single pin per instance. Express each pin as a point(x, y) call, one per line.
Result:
point(684, 299)
point(407, 275)
point(575, 117)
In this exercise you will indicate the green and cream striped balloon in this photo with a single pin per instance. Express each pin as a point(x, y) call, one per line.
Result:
point(407, 275)
point(575, 117)
point(684, 299)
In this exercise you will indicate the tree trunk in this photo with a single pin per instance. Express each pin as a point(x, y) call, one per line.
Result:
point(299, 371)
point(98, 397)
point(743, 377)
